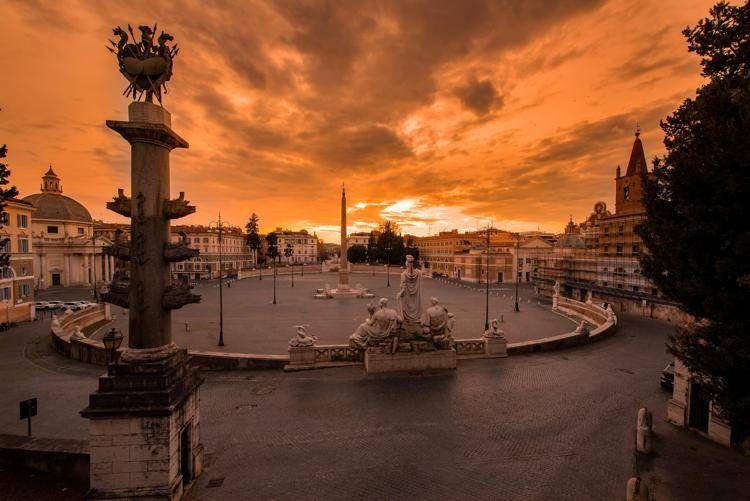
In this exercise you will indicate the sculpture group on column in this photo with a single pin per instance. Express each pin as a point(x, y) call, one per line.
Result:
point(410, 328)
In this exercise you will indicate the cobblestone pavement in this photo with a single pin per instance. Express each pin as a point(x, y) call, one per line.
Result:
point(548, 426)
point(253, 325)
point(545, 426)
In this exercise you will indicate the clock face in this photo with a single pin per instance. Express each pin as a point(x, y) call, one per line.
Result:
point(626, 192)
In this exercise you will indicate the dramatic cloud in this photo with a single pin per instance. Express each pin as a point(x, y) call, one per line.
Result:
point(436, 113)
point(481, 97)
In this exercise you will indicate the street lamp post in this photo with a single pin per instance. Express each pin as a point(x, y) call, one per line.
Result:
point(487, 285)
point(515, 308)
point(112, 341)
point(388, 264)
point(289, 254)
point(275, 271)
point(220, 227)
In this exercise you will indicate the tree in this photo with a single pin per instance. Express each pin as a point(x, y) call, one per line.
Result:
point(357, 254)
point(390, 243)
point(5, 194)
point(272, 239)
point(288, 251)
point(253, 238)
point(697, 231)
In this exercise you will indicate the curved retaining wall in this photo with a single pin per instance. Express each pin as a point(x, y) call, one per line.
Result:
point(91, 351)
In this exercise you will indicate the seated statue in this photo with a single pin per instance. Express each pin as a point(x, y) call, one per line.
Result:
point(378, 329)
point(437, 325)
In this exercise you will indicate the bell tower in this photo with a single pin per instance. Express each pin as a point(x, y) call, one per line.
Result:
point(629, 196)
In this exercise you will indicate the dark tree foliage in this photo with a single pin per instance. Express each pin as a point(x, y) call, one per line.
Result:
point(357, 254)
point(253, 238)
point(389, 244)
point(5, 193)
point(272, 239)
point(697, 202)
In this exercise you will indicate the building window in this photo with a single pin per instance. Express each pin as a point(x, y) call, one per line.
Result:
point(24, 290)
point(6, 293)
point(636, 249)
point(621, 229)
point(636, 288)
point(7, 272)
point(52, 229)
point(23, 245)
point(5, 246)
point(22, 220)
point(4, 219)
point(80, 231)
point(626, 192)
point(619, 249)
point(606, 250)
point(606, 229)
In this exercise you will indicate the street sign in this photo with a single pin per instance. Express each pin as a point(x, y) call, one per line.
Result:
point(28, 409)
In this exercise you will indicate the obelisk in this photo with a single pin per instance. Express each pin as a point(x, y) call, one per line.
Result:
point(343, 260)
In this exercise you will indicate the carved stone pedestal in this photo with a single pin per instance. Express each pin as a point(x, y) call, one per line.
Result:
point(144, 430)
point(378, 361)
point(496, 347)
point(301, 356)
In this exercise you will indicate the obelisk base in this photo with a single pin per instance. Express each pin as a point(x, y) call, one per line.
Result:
point(144, 430)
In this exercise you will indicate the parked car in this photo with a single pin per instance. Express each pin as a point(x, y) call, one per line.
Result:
point(667, 376)
point(71, 305)
point(54, 305)
point(85, 304)
point(42, 305)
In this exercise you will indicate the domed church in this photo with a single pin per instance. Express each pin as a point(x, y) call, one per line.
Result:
point(66, 253)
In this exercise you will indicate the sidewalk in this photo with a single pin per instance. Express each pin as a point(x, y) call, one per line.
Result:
point(686, 466)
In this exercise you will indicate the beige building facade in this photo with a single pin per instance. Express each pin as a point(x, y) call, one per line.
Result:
point(65, 251)
point(235, 255)
point(304, 246)
point(17, 279)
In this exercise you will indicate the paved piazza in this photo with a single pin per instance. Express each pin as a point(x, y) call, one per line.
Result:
point(252, 324)
point(525, 427)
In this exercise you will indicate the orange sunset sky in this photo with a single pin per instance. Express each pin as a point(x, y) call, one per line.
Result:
point(435, 114)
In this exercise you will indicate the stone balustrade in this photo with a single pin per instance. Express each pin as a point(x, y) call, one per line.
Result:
point(83, 348)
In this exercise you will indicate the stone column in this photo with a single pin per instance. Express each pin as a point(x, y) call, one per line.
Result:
point(144, 424)
point(105, 277)
point(87, 267)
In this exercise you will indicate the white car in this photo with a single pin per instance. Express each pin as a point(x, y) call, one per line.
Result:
point(53, 305)
point(42, 305)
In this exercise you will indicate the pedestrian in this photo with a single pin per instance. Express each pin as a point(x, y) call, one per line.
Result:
point(229, 285)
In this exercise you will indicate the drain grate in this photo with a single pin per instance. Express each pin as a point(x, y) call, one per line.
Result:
point(215, 482)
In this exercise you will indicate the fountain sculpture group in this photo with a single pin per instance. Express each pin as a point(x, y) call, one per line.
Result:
point(410, 337)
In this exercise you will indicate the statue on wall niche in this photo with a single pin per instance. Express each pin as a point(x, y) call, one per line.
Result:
point(146, 66)
point(409, 297)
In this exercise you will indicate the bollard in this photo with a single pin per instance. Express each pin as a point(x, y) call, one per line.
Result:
point(643, 439)
point(636, 490)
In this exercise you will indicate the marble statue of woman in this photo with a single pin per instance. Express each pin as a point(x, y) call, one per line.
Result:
point(409, 296)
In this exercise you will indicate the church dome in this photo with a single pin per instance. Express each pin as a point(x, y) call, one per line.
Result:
point(52, 204)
